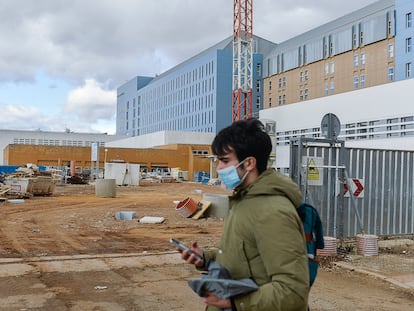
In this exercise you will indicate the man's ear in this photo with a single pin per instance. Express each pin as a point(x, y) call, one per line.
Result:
point(250, 164)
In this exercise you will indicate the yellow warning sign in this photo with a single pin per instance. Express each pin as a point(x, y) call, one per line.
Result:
point(313, 171)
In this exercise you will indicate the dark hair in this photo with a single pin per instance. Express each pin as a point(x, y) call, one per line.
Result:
point(247, 138)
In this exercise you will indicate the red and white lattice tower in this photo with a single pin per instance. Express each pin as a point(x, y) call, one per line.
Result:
point(242, 59)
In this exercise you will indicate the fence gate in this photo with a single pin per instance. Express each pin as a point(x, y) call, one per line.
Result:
point(355, 190)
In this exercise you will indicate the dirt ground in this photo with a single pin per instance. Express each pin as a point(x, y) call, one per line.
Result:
point(68, 252)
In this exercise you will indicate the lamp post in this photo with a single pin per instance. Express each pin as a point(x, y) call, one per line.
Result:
point(106, 154)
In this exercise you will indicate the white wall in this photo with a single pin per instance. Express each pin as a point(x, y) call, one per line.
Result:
point(163, 138)
point(123, 173)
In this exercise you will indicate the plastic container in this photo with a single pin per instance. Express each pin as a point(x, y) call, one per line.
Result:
point(187, 207)
point(330, 247)
point(367, 244)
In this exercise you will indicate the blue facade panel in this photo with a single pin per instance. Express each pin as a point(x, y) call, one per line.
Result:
point(127, 105)
point(404, 40)
point(224, 87)
point(182, 99)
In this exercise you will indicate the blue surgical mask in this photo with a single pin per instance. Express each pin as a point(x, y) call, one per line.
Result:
point(230, 177)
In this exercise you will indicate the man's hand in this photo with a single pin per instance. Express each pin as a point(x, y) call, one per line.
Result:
point(192, 258)
point(212, 300)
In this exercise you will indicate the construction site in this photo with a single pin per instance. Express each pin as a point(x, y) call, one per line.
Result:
point(71, 251)
point(103, 243)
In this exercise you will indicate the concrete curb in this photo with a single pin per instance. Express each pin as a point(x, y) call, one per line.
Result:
point(81, 257)
point(382, 277)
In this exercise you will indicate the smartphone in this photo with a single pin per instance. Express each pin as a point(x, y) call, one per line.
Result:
point(184, 247)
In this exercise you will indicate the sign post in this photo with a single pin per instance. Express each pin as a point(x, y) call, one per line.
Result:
point(94, 159)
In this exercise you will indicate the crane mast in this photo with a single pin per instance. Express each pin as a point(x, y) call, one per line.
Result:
point(242, 60)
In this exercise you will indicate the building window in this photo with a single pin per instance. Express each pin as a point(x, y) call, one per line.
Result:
point(326, 89)
point(362, 81)
point(303, 76)
point(325, 47)
point(332, 87)
point(362, 59)
point(356, 62)
point(407, 126)
point(361, 38)
point(270, 85)
point(350, 131)
point(354, 40)
point(332, 67)
point(389, 28)
point(408, 45)
point(326, 69)
point(408, 70)
point(356, 82)
point(390, 73)
point(390, 50)
point(259, 70)
point(392, 128)
point(408, 20)
point(305, 94)
point(257, 86)
point(270, 102)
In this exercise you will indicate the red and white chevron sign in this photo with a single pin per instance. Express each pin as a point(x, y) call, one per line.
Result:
point(357, 187)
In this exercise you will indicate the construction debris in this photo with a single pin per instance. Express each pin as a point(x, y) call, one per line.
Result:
point(28, 181)
point(151, 220)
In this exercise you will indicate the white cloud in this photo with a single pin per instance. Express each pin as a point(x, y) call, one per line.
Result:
point(25, 118)
point(107, 40)
point(91, 102)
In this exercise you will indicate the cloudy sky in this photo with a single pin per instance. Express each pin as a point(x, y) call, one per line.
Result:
point(61, 61)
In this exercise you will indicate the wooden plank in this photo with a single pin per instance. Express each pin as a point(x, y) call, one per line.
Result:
point(204, 206)
point(4, 189)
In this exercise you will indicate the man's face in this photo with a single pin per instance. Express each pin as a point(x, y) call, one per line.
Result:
point(227, 160)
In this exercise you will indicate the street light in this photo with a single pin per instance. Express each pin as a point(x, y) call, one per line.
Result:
point(106, 153)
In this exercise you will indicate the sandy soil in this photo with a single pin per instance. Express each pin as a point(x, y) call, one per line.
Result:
point(107, 264)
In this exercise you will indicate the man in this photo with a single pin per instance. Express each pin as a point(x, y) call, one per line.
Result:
point(263, 237)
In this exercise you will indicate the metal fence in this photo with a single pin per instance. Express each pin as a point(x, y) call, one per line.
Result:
point(356, 190)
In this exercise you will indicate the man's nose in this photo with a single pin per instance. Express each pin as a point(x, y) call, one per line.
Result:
point(220, 165)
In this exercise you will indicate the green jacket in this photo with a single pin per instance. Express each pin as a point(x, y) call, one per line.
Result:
point(263, 239)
